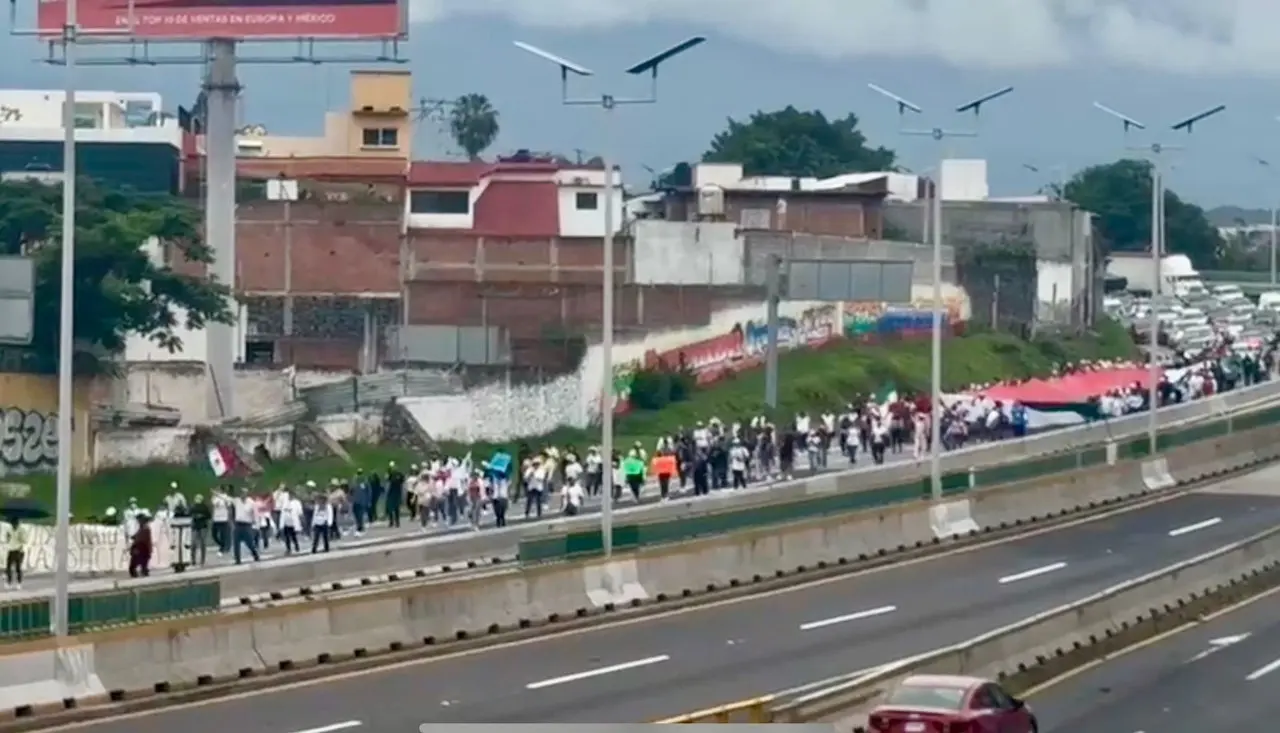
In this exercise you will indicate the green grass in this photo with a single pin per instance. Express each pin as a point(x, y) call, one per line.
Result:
point(809, 380)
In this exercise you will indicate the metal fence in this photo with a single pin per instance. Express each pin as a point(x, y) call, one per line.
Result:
point(452, 345)
point(377, 390)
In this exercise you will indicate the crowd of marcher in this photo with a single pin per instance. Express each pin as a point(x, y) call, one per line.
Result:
point(711, 455)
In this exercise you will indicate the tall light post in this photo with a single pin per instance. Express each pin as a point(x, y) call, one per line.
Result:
point(1274, 220)
point(940, 135)
point(66, 322)
point(608, 103)
point(1155, 151)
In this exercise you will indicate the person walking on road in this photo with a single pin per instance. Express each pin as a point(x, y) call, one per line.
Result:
point(221, 518)
point(15, 545)
point(395, 495)
point(633, 472)
point(140, 547)
point(290, 509)
point(244, 525)
point(201, 514)
point(322, 520)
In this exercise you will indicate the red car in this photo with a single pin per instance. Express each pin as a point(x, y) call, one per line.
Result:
point(951, 704)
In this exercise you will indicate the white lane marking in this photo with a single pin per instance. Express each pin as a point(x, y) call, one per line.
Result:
point(870, 612)
point(332, 728)
point(1033, 572)
point(1195, 527)
point(1263, 671)
point(597, 672)
point(1217, 645)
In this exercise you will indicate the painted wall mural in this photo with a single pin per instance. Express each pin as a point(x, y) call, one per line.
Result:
point(870, 322)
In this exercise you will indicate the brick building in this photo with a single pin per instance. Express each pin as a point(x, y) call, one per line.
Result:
point(319, 276)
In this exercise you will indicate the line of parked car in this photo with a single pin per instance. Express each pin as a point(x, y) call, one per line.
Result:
point(1192, 320)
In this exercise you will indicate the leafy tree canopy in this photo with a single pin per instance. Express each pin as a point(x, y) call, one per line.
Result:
point(791, 142)
point(473, 123)
point(1119, 194)
point(119, 289)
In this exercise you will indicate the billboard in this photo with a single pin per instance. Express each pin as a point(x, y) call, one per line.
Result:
point(194, 20)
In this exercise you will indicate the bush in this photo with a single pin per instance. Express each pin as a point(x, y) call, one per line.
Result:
point(654, 389)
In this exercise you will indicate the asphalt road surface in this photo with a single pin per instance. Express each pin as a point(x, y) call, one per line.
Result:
point(693, 659)
point(379, 533)
point(1223, 675)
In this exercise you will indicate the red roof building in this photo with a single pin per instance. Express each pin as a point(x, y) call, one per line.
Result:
point(518, 244)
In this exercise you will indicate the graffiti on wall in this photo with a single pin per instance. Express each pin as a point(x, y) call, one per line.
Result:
point(869, 322)
point(741, 348)
point(28, 440)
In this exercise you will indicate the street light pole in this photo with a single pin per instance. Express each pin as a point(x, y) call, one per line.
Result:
point(66, 322)
point(609, 104)
point(939, 134)
point(1155, 152)
point(1275, 215)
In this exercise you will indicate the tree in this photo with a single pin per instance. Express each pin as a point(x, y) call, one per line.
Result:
point(1119, 194)
point(789, 142)
point(119, 289)
point(473, 122)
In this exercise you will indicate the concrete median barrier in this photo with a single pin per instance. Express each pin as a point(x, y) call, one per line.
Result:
point(186, 659)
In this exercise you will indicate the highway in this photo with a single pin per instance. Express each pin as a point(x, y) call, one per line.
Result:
point(1222, 675)
point(686, 660)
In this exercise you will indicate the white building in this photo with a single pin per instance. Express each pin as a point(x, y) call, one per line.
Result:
point(124, 137)
point(510, 198)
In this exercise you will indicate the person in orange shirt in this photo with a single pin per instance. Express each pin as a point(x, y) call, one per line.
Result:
point(664, 467)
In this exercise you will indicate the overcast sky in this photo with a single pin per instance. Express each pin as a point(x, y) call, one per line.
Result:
point(1156, 60)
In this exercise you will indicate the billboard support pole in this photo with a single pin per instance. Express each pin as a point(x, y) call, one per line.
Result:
point(222, 91)
point(66, 322)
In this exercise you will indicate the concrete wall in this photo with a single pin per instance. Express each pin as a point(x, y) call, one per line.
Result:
point(1062, 233)
point(182, 386)
point(28, 424)
point(735, 339)
point(123, 447)
point(722, 253)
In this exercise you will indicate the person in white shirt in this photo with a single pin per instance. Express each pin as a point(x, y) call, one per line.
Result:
point(572, 498)
point(595, 471)
point(739, 456)
point(289, 509)
point(131, 512)
point(278, 499)
point(221, 521)
point(14, 537)
point(535, 485)
point(572, 478)
point(245, 518)
point(322, 518)
point(879, 440)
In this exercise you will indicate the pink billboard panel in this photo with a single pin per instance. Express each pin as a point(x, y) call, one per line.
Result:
point(232, 19)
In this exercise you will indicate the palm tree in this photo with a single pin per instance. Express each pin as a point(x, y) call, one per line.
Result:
point(473, 122)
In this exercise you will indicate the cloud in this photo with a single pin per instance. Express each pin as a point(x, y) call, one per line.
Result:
point(1178, 36)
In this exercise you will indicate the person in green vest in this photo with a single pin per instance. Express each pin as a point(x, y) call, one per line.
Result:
point(15, 538)
point(633, 468)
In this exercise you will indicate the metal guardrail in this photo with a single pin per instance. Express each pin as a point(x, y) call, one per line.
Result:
point(32, 617)
point(1051, 628)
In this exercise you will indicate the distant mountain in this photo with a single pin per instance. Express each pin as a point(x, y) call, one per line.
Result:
point(1230, 216)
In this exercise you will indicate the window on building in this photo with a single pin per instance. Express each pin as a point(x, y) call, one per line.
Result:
point(587, 201)
point(440, 202)
point(381, 137)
